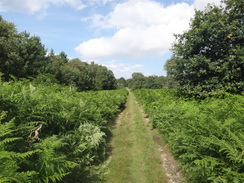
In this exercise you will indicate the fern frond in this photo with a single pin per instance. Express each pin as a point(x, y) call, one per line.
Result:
point(52, 165)
point(9, 173)
point(8, 140)
point(22, 177)
point(92, 134)
point(231, 152)
point(207, 163)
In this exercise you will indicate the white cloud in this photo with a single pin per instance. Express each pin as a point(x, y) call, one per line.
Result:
point(144, 13)
point(122, 69)
point(143, 28)
point(201, 4)
point(33, 6)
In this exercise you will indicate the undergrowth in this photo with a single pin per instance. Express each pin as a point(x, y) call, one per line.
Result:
point(51, 133)
point(206, 136)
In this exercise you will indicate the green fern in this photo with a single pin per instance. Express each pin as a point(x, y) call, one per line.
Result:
point(51, 165)
point(206, 136)
point(10, 160)
point(63, 142)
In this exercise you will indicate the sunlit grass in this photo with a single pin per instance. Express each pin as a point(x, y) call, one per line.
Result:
point(135, 157)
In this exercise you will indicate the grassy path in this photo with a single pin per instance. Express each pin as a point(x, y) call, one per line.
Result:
point(135, 156)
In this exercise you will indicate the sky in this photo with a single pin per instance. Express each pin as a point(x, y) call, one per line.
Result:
point(126, 36)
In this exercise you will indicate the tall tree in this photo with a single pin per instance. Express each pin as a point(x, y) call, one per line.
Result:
point(55, 63)
point(208, 59)
point(33, 54)
point(10, 62)
point(76, 73)
point(20, 54)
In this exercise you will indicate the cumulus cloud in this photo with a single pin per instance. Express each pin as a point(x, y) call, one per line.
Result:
point(143, 28)
point(33, 6)
point(143, 13)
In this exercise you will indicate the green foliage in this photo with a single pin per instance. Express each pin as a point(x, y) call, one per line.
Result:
point(102, 78)
point(72, 139)
point(10, 161)
point(208, 58)
point(121, 83)
point(206, 136)
point(86, 146)
point(82, 75)
point(9, 59)
point(55, 62)
point(75, 73)
point(89, 138)
point(32, 54)
point(21, 55)
point(51, 165)
point(139, 81)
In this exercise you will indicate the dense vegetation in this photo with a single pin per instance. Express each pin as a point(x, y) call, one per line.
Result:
point(24, 56)
point(207, 137)
point(51, 133)
point(208, 59)
point(139, 81)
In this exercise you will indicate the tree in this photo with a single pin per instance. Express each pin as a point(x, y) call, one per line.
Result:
point(87, 76)
point(109, 82)
point(155, 82)
point(208, 58)
point(76, 73)
point(10, 62)
point(20, 54)
point(138, 80)
point(55, 63)
point(32, 54)
point(63, 56)
point(102, 78)
point(121, 83)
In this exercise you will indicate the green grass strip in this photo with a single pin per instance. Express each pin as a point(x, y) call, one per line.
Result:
point(135, 156)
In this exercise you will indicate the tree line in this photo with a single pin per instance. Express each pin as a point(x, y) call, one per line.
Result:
point(24, 56)
point(139, 81)
point(207, 60)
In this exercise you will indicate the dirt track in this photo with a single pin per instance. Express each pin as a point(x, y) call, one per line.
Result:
point(137, 151)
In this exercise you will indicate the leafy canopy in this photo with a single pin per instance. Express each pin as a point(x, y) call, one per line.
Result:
point(208, 58)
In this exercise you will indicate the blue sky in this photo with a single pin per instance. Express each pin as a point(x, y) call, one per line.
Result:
point(125, 35)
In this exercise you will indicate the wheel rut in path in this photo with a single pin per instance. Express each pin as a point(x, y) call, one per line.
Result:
point(137, 156)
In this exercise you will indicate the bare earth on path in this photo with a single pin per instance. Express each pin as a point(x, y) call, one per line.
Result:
point(137, 155)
